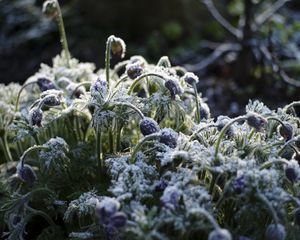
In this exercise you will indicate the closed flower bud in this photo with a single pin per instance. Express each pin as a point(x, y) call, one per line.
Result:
point(35, 117)
point(169, 137)
point(118, 219)
point(173, 87)
point(219, 234)
point(134, 70)
point(118, 47)
point(51, 101)
point(291, 174)
point(190, 78)
point(239, 184)
point(204, 111)
point(275, 232)
point(99, 88)
point(106, 208)
point(50, 8)
point(297, 216)
point(149, 126)
point(26, 174)
point(286, 131)
point(45, 84)
point(256, 121)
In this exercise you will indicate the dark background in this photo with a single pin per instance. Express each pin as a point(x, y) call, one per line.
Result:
point(176, 28)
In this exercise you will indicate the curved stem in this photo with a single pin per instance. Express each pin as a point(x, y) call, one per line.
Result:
point(107, 60)
point(198, 116)
point(41, 103)
point(120, 66)
point(79, 85)
point(224, 130)
point(27, 151)
point(63, 38)
point(269, 163)
point(270, 207)
point(293, 104)
point(202, 129)
point(122, 79)
point(99, 148)
point(19, 94)
point(131, 106)
point(140, 144)
point(6, 147)
point(210, 218)
point(253, 131)
point(136, 81)
point(276, 119)
point(288, 143)
point(40, 213)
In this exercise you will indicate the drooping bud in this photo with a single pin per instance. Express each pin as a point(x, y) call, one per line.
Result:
point(118, 47)
point(118, 219)
point(291, 174)
point(45, 84)
point(286, 131)
point(173, 87)
point(35, 117)
point(50, 8)
point(275, 232)
point(51, 101)
point(26, 174)
point(169, 137)
point(148, 126)
point(220, 234)
point(256, 121)
point(134, 70)
point(190, 78)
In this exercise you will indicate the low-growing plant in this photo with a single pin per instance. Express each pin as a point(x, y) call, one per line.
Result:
point(131, 152)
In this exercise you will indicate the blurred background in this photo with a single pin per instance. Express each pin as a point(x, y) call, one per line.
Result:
point(240, 49)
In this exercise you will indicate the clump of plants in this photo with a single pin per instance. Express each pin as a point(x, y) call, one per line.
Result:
point(131, 152)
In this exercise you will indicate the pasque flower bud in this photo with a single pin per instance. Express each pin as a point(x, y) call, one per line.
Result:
point(118, 47)
point(190, 78)
point(118, 219)
point(275, 232)
point(26, 174)
point(50, 8)
point(256, 121)
point(134, 70)
point(286, 131)
point(173, 87)
point(45, 84)
point(169, 137)
point(35, 117)
point(148, 126)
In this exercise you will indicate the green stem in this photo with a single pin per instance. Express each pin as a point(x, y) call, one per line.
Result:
point(99, 148)
point(224, 130)
point(140, 144)
point(201, 129)
point(6, 146)
point(78, 86)
point(19, 94)
point(120, 66)
point(136, 81)
point(107, 60)
point(198, 116)
point(122, 79)
point(138, 111)
point(251, 134)
point(276, 119)
point(111, 141)
point(293, 104)
point(269, 163)
point(270, 207)
point(27, 151)
point(63, 38)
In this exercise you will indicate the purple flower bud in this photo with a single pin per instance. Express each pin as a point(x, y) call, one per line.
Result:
point(134, 70)
point(190, 78)
point(297, 216)
point(160, 185)
point(220, 234)
point(45, 84)
point(51, 101)
point(291, 174)
point(275, 232)
point(256, 121)
point(173, 87)
point(26, 174)
point(35, 117)
point(148, 126)
point(118, 47)
point(118, 219)
point(170, 197)
point(99, 88)
point(204, 111)
point(169, 137)
point(239, 184)
point(106, 208)
point(286, 131)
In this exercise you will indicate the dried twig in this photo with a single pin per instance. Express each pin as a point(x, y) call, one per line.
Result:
point(216, 14)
